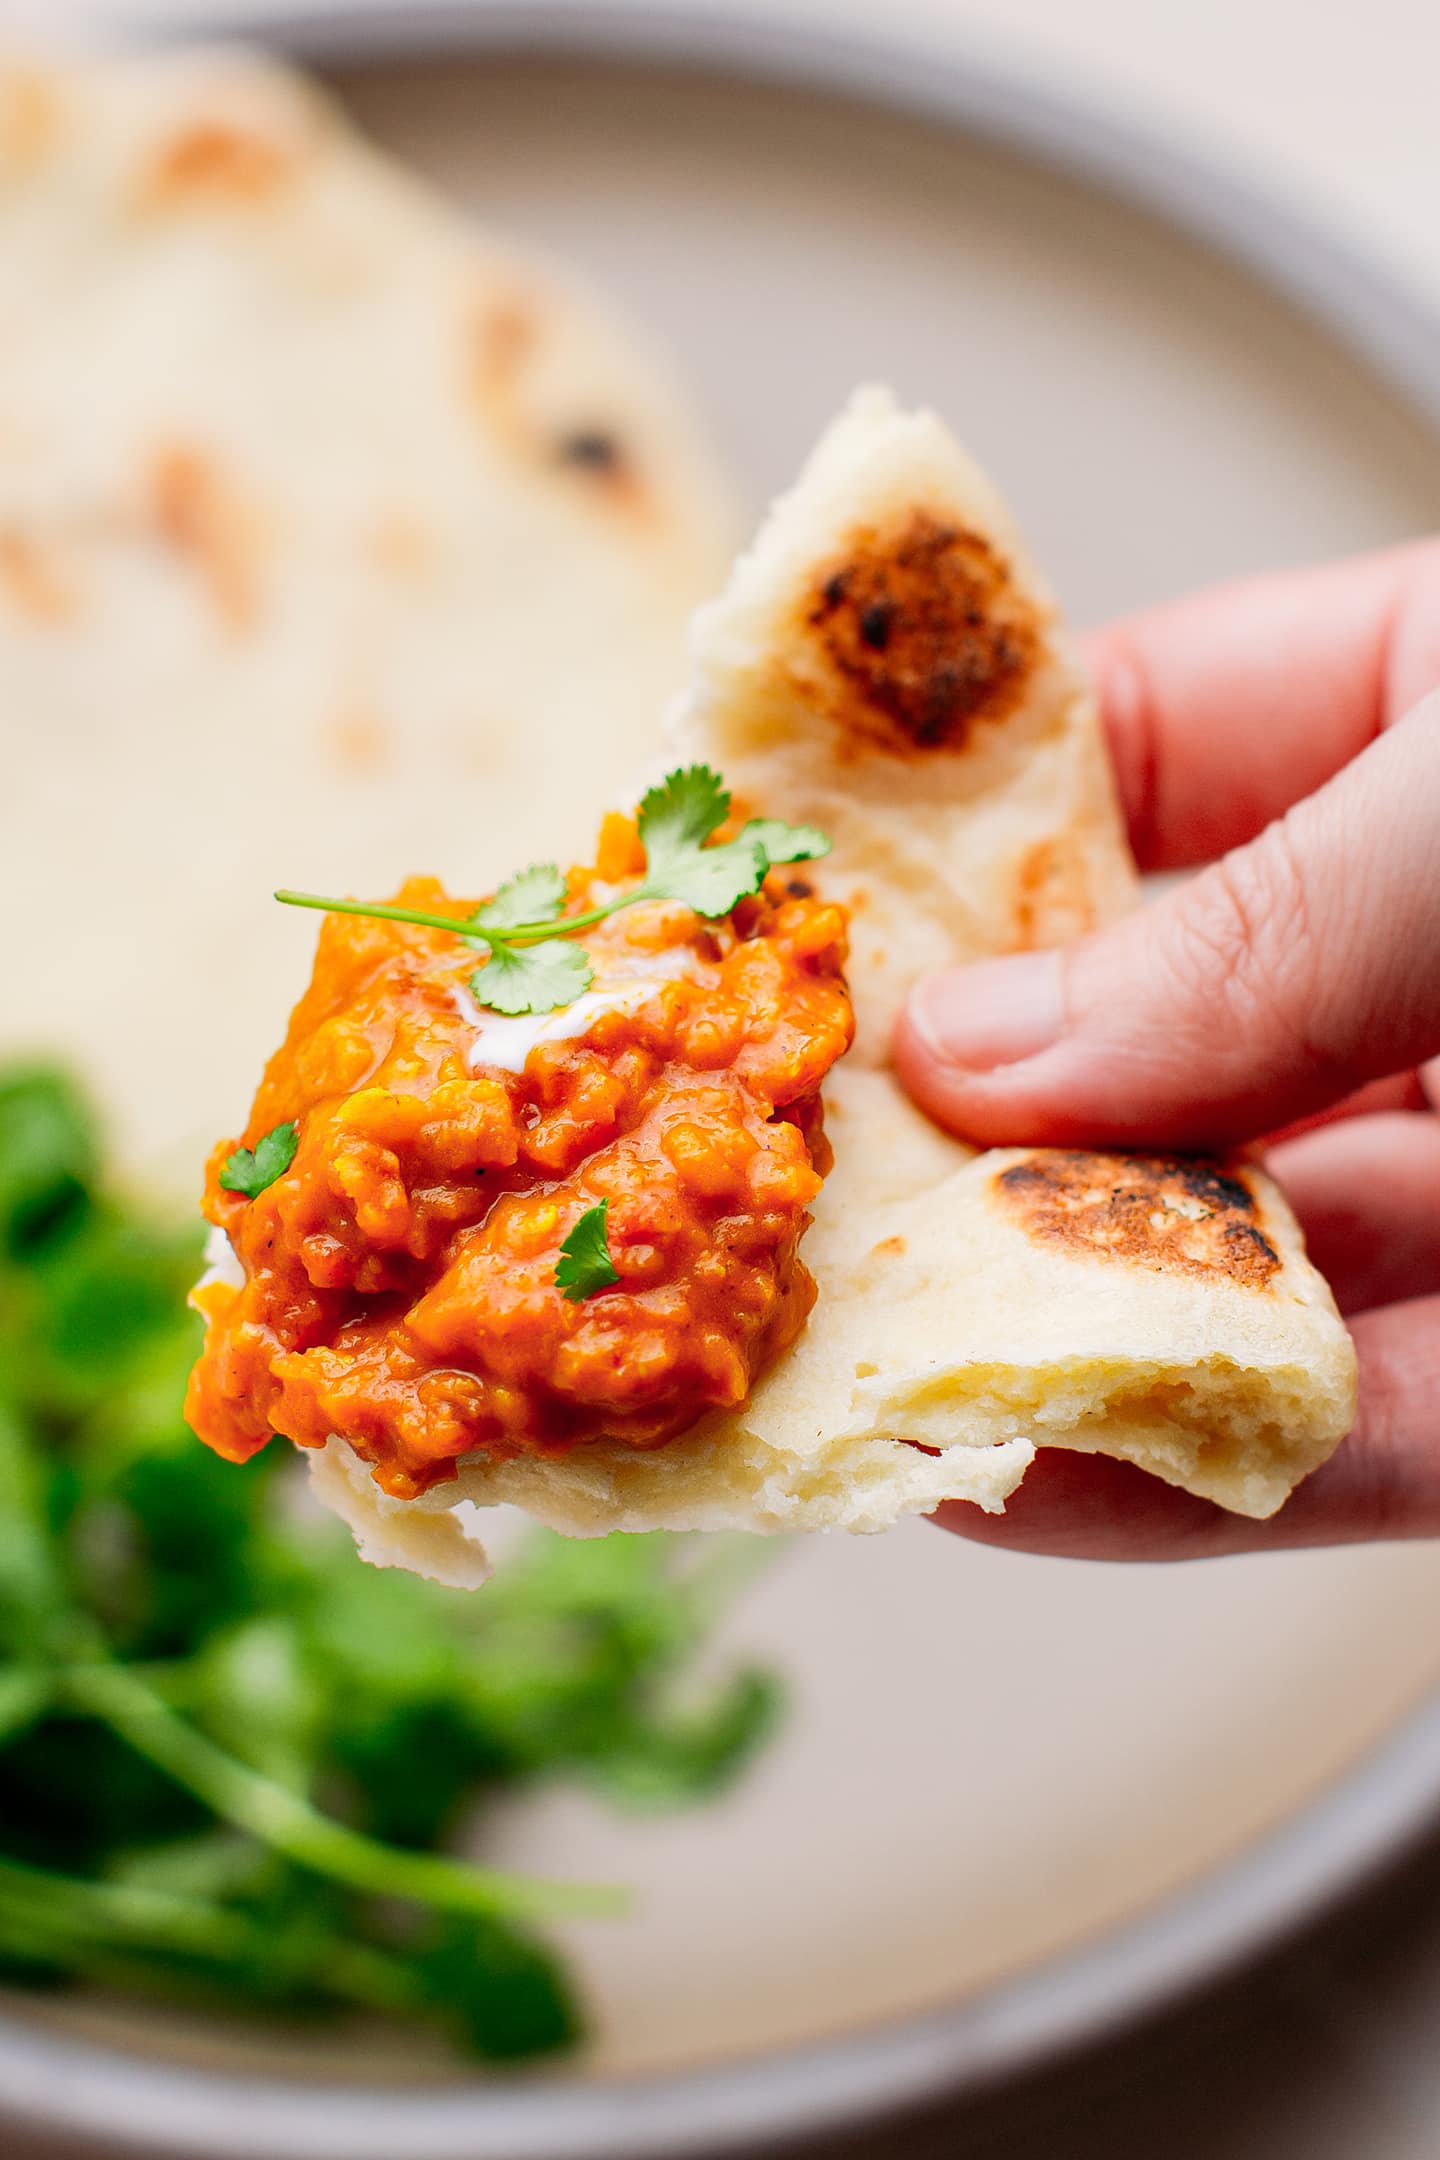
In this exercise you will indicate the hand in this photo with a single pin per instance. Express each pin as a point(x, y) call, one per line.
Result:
point(1293, 989)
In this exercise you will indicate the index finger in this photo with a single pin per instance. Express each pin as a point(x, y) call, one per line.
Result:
point(1225, 708)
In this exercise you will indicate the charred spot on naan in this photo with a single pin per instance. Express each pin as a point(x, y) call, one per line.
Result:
point(218, 162)
point(1170, 1213)
point(30, 118)
point(402, 545)
point(32, 579)
point(357, 739)
point(507, 337)
point(1052, 893)
point(927, 632)
point(504, 334)
point(196, 509)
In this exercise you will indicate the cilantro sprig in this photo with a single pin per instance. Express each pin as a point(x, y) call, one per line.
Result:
point(238, 1783)
point(531, 966)
point(585, 1265)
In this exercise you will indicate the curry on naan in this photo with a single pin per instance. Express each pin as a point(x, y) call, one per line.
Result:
point(604, 1327)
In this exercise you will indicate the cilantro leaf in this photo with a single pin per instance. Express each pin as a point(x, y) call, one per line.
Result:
point(787, 843)
point(677, 819)
point(250, 1171)
point(535, 895)
point(710, 880)
point(532, 978)
point(47, 1156)
point(585, 1265)
point(679, 816)
point(504, 1992)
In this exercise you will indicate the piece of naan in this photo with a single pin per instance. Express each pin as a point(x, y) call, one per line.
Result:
point(887, 664)
point(336, 536)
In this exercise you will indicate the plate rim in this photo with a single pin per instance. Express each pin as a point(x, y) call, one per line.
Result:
point(54, 2085)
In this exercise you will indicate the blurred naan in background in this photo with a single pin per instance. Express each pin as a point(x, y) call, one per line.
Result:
point(335, 539)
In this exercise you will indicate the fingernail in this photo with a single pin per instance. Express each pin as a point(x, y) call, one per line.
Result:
point(992, 1014)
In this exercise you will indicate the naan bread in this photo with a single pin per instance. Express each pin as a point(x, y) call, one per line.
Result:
point(335, 540)
point(887, 663)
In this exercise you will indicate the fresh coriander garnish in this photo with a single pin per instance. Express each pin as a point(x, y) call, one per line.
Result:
point(532, 978)
point(529, 967)
point(532, 896)
point(171, 1733)
point(676, 820)
point(585, 1265)
point(250, 1170)
point(787, 843)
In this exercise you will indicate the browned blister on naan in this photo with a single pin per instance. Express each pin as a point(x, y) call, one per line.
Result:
point(1176, 1213)
point(926, 636)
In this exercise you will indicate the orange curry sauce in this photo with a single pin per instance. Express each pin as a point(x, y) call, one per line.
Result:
point(400, 1275)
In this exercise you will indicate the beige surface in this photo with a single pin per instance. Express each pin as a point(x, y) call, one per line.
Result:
point(1338, 105)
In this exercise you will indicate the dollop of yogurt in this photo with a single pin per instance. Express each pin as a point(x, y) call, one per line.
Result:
point(222, 1263)
point(505, 1041)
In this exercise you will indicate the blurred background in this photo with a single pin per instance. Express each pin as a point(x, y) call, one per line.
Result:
point(851, 1787)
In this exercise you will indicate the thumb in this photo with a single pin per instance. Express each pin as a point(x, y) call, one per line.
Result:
point(1268, 987)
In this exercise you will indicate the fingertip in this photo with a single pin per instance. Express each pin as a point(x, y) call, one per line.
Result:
point(1127, 712)
point(996, 1013)
point(961, 1033)
point(1382, 1482)
point(943, 1091)
point(1076, 1506)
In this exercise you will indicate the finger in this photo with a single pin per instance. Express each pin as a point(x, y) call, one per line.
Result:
point(1267, 987)
point(1382, 1482)
point(1224, 708)
point(1401, 1091)
point(1367, 1193)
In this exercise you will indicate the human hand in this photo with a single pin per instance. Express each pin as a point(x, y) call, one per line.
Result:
point(1293, 988)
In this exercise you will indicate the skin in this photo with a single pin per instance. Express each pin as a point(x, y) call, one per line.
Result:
point(1290, 727)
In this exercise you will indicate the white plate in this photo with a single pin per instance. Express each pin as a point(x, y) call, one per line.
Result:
point(993, 1764)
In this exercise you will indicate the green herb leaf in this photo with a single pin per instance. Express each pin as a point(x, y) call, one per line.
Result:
point(787, 843)
point(503, 1990)
point(262, 1699)
point(532, 978)
point(676, 820)
point(25, 1695)
point(250, 1171)
point(677, 1756)
point(710, 880)
point(31, 1586)
point(534, 896)
point(47, 1155)
point(585, 1265)
point(679, 816)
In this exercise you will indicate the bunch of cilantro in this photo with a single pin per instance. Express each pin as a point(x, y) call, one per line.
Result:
point(233, 1759)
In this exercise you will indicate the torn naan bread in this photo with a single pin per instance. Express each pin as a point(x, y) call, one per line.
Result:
point(887, 664)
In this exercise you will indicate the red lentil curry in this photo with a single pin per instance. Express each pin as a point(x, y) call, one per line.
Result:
point(400, 1273)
